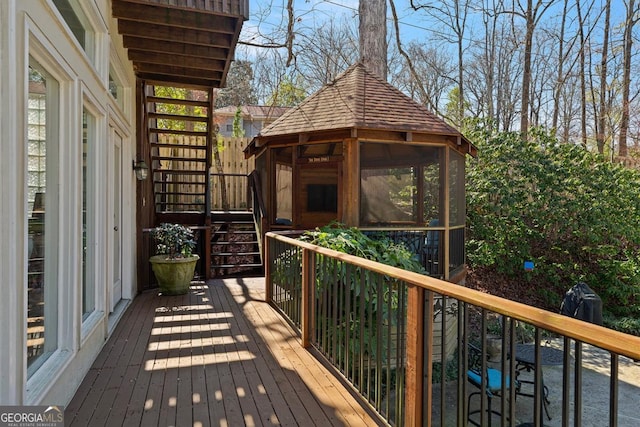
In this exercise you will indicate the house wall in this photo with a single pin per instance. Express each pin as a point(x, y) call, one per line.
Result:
point(36, 29)
point(251, 127)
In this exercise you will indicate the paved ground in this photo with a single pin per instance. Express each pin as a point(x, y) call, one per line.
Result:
point(595, 394)
point(595, 390)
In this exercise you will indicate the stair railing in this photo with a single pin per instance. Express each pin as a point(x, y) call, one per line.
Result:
point(258, 208)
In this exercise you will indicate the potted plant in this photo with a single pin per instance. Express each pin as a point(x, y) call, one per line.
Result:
point(174, 262)
point(494, 338)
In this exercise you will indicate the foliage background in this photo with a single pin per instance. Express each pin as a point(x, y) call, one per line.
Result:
point(571, 212)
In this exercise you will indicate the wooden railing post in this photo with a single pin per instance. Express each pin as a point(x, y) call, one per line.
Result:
point(415, 357)
point(268, 292)
point(207, 246)
point(308, 276)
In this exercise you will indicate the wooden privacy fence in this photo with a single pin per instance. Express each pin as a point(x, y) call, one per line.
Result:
point(183, 188)
point(229, 172)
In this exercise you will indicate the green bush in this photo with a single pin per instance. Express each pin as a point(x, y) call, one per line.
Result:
point(573, 213)
point(628, 325)
point(352, 241)
point(379, 308)
point(173, 240)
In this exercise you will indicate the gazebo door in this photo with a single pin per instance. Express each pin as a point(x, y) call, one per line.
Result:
point(317, 192)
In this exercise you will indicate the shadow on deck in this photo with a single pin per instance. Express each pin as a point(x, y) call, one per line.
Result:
point(217, 356)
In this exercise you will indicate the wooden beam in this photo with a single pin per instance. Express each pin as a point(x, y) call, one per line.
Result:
point(185, 82)
point(142, 57)
point(174, 70)
point(227, 7)
point(178, 117)
point(181, 18)
point(190, 102)
point(163, 32)
point(164, 46)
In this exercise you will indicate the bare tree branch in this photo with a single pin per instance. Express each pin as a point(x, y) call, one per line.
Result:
point(404, 54)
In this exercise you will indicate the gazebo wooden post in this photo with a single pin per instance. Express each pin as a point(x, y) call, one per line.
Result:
point(351, 183)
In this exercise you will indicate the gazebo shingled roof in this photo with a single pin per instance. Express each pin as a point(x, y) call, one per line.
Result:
point(358, 99)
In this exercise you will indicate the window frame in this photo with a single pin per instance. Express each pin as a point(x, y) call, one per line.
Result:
point(39, 47)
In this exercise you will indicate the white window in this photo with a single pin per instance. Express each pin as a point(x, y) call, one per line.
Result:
point(116, 88)
point(88, 213)
point(42, 165)
point(78, 23)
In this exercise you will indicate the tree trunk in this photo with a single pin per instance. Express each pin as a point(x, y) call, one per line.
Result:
point(489, 60)
point(583, 85)
point(560, 79)
point(526, 73)
point(626, 77)
point(603, 113)
point(373, 36)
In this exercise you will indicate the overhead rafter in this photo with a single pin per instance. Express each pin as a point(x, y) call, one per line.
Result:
point(181, 43)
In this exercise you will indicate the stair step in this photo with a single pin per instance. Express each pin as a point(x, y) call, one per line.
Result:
point(235, 253)
point(236, 265)
point(239, 242)
point(234, 232)
point(232, 222)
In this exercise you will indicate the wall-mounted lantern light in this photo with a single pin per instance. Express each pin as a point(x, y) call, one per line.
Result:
point(141, 169)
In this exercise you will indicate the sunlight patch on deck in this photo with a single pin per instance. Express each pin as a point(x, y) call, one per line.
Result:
point(162, 364)
point(167, 330)
point(181, 308)
point(192, 317)
point(240, 392)
point(191, 343)
point(248, 420)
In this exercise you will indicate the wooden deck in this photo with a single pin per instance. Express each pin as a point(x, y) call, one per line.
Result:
point(219, 356)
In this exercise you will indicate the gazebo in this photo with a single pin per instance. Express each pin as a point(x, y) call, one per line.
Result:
point(362, 153)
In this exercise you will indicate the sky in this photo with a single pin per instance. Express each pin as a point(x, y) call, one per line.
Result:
point(270, 14)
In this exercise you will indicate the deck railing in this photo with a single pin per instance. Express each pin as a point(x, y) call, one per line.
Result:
point(402, 339)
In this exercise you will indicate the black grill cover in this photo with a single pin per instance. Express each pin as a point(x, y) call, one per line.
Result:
point(582, 303)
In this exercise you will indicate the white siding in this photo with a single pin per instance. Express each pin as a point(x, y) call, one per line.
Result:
point(36, 28)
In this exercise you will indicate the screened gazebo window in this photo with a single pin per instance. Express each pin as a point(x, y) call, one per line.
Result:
point(401, 184)
point(388, 195)
point(431, 197)
point(457, 206)
point(284, 185)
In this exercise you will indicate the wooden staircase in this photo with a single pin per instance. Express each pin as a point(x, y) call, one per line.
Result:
point(234, 245)
point(182, 151)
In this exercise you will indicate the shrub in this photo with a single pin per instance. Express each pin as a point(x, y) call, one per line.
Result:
point(352, 241)
point(576, 215)
point(173, 240)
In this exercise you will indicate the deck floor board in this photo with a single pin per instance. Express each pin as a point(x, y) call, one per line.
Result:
point(218, 356)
